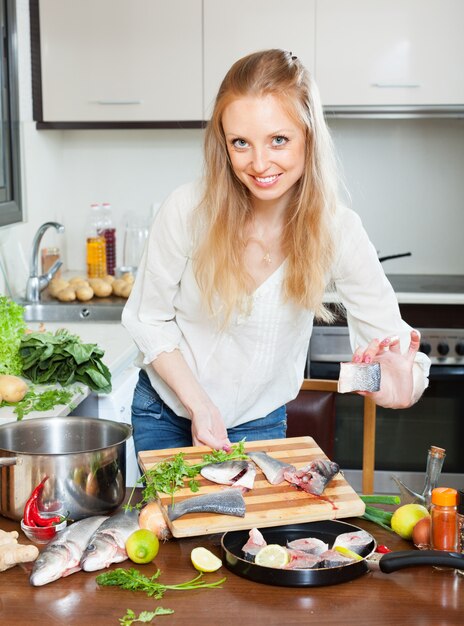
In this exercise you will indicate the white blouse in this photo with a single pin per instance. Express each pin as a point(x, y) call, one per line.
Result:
point(257, 363)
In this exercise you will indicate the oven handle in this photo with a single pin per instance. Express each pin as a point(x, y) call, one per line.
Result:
point(331, 370)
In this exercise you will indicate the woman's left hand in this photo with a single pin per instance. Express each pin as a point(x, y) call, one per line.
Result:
point(396, 380)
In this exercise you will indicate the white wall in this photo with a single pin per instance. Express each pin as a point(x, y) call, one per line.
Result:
point(405, 178)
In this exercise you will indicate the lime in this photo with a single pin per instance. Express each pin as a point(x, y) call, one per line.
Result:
point(142, 546)
point(205, 561)
point(272, 555)
point(349, 553)
point(406, 517)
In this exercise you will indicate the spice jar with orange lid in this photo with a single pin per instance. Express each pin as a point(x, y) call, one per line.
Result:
point(444, 519)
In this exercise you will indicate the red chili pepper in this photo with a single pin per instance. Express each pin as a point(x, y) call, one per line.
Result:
point(32, 516)
point(383, 549)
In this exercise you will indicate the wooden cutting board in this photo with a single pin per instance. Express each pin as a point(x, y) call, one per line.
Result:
point(266, 504)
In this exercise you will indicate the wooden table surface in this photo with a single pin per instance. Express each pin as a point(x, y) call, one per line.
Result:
point(419, 596)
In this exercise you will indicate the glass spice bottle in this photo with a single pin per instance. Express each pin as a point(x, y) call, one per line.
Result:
point(461, 526)
point(444, 519)
point(435, 459)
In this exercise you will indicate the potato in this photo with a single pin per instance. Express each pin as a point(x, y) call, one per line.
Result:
point(108, 278)
point(56, 285)
point(84, 293)
point(118, 284)
point(12, 388)
point(78, 281)
point(126, 290)
point(66, 295)
point(102, 288)
point(128, 277)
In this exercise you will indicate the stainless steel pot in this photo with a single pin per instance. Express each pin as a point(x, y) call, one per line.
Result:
point(84, 459)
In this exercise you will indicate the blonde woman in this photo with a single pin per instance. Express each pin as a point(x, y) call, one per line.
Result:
point(236, 268)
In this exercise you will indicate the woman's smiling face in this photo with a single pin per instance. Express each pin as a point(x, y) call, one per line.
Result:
point(266, 146)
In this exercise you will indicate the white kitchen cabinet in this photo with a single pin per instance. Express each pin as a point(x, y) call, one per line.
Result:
point(119, 60)
point(390, 52)
point(235, 28)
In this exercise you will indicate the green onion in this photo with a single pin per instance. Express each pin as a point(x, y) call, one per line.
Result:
point(381, 499)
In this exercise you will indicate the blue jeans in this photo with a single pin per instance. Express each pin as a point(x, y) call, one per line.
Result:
point(157, 427)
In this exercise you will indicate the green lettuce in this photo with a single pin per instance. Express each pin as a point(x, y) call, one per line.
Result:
point(12, 327)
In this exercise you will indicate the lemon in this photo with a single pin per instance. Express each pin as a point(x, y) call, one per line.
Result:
point(142, 546)
point(406, 517)
point(272, 555)
point(349, 553)
point(205, 561)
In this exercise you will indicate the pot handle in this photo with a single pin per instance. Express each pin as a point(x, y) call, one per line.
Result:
point(8, 460)
point(410, 558)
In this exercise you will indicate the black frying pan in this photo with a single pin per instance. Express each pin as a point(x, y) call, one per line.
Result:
point(327, 531)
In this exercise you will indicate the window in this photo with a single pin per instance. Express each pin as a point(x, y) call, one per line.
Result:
point(10, 186)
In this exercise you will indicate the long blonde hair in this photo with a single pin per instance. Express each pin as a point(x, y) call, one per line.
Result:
point(225, 209)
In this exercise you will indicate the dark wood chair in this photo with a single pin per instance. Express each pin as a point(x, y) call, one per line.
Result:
point(312, 413)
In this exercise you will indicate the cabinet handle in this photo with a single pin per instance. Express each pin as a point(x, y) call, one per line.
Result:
point(119, 102)
point(396, 85)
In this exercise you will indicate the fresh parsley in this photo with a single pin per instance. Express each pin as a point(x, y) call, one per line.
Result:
point(145, 616)
point(39, 401)
point(169, 475)
point(133, 580)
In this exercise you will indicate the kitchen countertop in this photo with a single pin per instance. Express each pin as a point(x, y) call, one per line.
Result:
point(112, 337)
point(418, 596)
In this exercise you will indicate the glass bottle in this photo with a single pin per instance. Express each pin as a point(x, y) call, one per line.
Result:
point(95, 245)
point(444, 519)
point(435, 459)
point(109, 232)
point(461, 526)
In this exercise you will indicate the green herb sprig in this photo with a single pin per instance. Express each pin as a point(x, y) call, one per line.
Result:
point(39, 401)
point(133, 580)
point(145, 616)
point(170, 474)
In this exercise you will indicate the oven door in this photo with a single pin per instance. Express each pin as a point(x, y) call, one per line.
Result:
point(403, 436)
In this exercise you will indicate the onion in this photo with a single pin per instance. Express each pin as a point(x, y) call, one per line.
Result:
point(421, 533)
point(152, 518)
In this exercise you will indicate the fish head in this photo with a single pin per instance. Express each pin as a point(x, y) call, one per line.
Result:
point(100, 553)
point(50, 566)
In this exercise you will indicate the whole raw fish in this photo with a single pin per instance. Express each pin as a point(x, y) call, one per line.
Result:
point(228, 502)
point(314, 477)
point(272, 468)
point(107, 544)
point(62, 555)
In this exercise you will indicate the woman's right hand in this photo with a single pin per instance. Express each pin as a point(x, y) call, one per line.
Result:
point(208, 428)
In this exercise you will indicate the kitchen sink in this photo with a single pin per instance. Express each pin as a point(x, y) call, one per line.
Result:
point(108, 311)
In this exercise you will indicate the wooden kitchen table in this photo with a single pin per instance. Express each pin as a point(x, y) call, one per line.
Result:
point(419, 596)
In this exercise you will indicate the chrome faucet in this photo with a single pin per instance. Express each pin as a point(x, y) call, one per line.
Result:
point(36, 283)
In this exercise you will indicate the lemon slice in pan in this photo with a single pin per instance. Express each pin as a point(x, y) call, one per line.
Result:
point(272, 555)
point(349, 553)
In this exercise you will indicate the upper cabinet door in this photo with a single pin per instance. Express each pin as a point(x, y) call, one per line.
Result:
point(234, 28)
point(120, 60)
point(390, 52)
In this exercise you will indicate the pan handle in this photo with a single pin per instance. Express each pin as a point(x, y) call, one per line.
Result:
point(8, 460)
point(410, 558)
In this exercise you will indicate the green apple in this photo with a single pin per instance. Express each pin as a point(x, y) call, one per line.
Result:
point(406, 517)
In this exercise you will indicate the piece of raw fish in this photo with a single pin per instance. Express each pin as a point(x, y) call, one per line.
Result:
point(333, 558)
point(302, 560)
point(313, 478)
point(272, 468)
point(359, 377)
point(107, 544)
point(228, 502)
point(235, 473)
point(254, 544)
point(356, 542)
point(311, 545)
point(62, 556)
point(247, 479)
